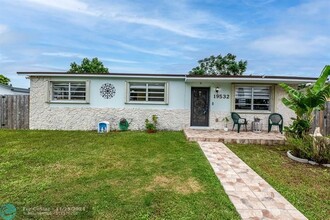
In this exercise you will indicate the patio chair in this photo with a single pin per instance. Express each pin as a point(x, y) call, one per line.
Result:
point(238, 121)
point(277, 120)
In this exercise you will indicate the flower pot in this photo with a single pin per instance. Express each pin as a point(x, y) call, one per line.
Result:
point(151, 131)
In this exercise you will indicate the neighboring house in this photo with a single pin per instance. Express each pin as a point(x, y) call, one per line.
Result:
point(79, 101)
point(10, 90)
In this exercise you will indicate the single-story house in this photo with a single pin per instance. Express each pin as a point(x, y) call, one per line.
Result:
point(66, 101)
point(10, 90)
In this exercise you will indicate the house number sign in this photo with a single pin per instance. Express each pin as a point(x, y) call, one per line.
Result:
point(221, 96)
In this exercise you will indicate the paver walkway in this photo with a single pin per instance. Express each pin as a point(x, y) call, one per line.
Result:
point(264, 138)
point(251, 195)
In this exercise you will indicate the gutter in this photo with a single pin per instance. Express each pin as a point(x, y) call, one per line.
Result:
point(186, 78)
point(157, 76)
point(248, 80)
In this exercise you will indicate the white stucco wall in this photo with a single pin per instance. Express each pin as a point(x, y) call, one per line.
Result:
point(52, 116)
point(221, 108)
point(4, 90)
point(173, 116)
point(281, 108)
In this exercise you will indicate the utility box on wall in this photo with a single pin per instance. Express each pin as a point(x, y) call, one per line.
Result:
point(103, 126)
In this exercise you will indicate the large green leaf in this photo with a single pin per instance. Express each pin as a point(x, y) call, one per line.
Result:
point(292, 92)
point(322, 79)
point(304, 102)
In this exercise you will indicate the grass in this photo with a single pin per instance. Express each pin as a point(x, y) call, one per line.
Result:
point(123, 175)
point(305, 186)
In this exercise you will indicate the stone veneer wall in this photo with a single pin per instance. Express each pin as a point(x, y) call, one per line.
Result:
point(45, 116)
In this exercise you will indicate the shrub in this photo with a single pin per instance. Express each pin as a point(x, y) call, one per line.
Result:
point(321, 149)
point(151, 125)
point(301, 147)
point(312, 148)
point(304, 101)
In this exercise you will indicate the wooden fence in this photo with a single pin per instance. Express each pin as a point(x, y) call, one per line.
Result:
point(322, 120)
point(14, 111)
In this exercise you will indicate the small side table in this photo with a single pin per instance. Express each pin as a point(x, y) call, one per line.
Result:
point(256, 126)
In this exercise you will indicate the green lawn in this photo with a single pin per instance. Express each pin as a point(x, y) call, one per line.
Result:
point(307, 187)
point(122, 175)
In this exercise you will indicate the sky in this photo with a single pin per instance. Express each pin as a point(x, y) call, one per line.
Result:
point(276, 37)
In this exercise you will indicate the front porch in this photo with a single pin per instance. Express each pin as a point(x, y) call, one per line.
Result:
point(244, 137)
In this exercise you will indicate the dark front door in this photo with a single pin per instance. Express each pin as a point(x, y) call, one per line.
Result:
point(199, 106)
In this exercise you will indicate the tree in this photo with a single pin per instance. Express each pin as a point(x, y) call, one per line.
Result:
point(219, 65)
point(4, 80)
point(87, 66)
point(304, 101)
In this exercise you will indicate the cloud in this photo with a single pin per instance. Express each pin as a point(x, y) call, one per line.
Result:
point(62, 54)
point(43, 68)
point(257, 3)
point(201, 25)
point(4, 59)
point(161, 24)
point(81, 56)
point(177, 25)
point(291, 45)
point(67, 5)
point(3, 28)
point(117, 60)
point(160, 52)
point(190, 48)
point(299, 30)
point(5, 35)
point(316, 8)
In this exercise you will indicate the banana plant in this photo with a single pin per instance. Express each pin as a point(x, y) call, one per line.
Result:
point(304, 102)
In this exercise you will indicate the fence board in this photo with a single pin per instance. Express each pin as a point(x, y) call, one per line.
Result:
point(14, 111)
point(322, 120)
point(327, 119)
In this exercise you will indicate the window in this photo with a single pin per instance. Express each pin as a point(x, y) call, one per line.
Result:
point(147, 92)
point(75, 91)
point(253, 98)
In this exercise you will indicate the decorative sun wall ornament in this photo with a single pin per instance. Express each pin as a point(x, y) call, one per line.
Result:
point(107, 91)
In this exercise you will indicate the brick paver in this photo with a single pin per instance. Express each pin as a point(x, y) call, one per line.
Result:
point(251, 195)
point(264, 138)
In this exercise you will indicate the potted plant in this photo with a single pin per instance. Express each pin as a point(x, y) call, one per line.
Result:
point(226, 120)
point(151, 126)
point(123, 124)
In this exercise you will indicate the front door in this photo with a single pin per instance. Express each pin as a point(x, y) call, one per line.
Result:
point(199, 106)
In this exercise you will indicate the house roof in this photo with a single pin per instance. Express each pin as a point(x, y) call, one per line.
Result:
point(188, 78)
point(15, 89)
point(251, 79)
point(105, 75)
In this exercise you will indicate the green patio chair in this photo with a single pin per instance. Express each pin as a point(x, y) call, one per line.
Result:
point(277, 120)
point(238, 121)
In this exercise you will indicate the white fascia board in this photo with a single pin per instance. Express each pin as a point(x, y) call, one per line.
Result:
point(249, 80)
point(107, 76)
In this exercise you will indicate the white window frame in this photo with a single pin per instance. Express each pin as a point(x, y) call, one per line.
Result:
point(166, 86)
point(50, 92)
point(271, 101)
